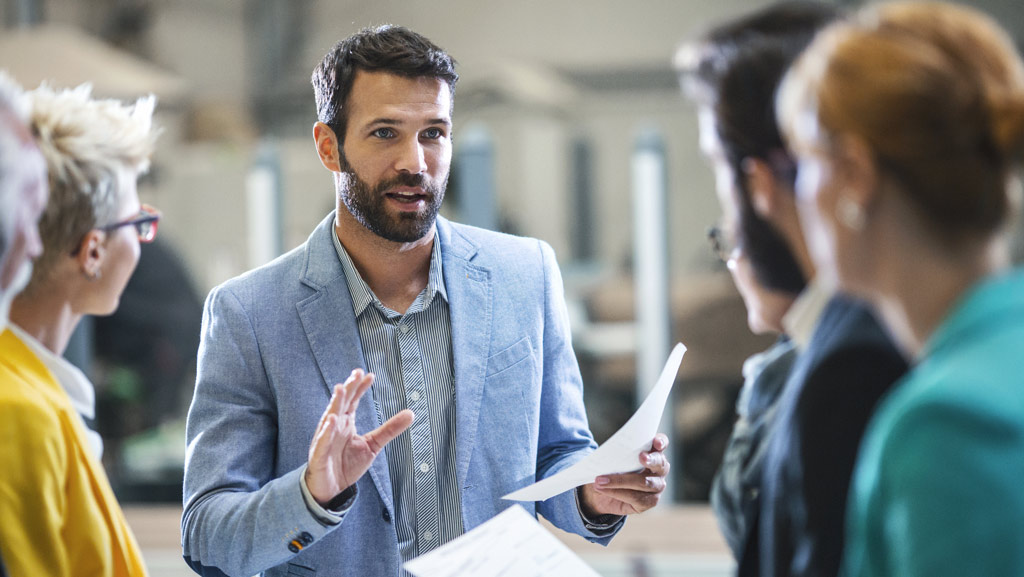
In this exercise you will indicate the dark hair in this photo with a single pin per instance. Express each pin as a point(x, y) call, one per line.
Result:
point(734, 70)
point(386, 48)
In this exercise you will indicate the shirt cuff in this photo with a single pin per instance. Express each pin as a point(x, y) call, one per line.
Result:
point(335, 511)
point(602, 525)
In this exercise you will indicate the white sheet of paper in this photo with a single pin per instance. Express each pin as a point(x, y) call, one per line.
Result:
point(512, 544)
point(621, 452)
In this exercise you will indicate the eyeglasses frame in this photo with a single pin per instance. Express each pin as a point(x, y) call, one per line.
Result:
point(147, 215)
point(723, 248)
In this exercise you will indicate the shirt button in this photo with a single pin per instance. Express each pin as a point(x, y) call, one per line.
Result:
point(405, 328)
point(424, 467)
point(415, 395)
point(427, 536)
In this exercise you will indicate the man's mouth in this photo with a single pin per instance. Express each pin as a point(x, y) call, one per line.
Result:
point(406, 196)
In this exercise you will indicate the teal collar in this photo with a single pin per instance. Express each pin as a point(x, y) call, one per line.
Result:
point(997, 298)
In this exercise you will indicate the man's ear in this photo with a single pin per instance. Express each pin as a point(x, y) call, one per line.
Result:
point(762, 187)
point(91, 252)
point(327, 147)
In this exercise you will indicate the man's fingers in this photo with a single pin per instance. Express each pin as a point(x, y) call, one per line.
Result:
point(660, 442)
point(333, 407)
point(391, 428)
point(656, 463)
point(349, 386)
point(322, 440)
point(642, 482)
point(355, 386)
point(638, 491)
point(639, 501)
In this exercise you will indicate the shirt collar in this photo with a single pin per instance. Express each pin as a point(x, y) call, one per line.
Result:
point(78, 387)
point(362, 296)
point(802, 317)
point(75, 383)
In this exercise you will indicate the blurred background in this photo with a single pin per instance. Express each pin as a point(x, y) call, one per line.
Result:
point(569, 127)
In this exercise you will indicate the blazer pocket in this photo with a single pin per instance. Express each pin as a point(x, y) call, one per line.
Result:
point(510, 357)
point(300, 571)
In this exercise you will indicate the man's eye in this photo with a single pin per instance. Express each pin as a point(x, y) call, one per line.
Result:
point(433, 133)
point(384, 133)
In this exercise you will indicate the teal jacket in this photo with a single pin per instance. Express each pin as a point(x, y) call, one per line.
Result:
point(939, 485)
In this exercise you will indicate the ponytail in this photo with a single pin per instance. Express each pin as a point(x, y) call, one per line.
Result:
point(1007, 118)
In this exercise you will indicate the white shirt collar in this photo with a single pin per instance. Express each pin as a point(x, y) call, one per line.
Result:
point(74, 382)
point(801, 319)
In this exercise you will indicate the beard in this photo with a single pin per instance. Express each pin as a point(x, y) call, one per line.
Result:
point(368, 204)
point(7, 295)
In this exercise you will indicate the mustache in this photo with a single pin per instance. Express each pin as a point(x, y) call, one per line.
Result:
point(402, 179)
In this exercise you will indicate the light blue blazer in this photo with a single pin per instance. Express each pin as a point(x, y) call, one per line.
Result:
point(276, 339)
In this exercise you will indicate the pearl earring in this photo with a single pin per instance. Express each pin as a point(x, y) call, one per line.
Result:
point(850, 214)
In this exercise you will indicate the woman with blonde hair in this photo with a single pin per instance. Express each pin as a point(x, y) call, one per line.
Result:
point(908, 122)
point(59, 513)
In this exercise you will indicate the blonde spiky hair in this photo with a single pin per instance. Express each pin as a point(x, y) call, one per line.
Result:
point(89, 145)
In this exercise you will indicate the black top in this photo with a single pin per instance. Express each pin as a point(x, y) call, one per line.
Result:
point(738, 482)
point(835, 384)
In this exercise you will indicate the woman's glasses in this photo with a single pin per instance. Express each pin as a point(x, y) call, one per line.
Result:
point(145, 223)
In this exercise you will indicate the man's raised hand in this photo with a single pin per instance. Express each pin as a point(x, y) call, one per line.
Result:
point(339, 455)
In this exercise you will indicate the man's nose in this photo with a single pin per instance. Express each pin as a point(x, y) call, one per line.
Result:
point(412, 158)
point(35, 243)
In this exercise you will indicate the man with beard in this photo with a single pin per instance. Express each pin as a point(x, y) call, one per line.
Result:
point(460, 335)
point(23, 195)
point(781, 494)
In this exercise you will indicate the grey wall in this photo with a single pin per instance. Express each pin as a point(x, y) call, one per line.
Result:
point(538, 74)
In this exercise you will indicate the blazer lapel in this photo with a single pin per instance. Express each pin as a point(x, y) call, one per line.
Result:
point(330, 325)
point(469, 303)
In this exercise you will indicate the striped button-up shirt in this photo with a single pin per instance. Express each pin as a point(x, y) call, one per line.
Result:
point(410, 356)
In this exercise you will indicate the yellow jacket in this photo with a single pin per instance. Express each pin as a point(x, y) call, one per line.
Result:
point(58, 514)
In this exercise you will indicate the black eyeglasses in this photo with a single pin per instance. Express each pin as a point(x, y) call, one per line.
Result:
point(145, 223)
point(721, 243)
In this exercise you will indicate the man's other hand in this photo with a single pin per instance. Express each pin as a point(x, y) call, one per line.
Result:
point(629, 493)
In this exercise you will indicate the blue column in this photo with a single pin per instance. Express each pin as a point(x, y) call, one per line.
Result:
point(650, 269)
point(582, 216)
point(264, 214)
point(476, 195)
